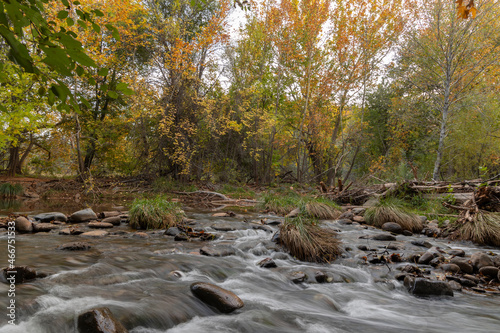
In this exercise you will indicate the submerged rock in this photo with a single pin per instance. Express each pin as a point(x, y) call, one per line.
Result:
point(23, 225)
point(217, 250)
point(95, 233)
point(44, 227)
point(99, 320)
point(392, 227)
point(223, 300)
point(19, 274)
point(49, 217)
point(83, 215)
point(424, 287)
point(100, 225)
point(267, 263)
point(298, 277)
point(383, 237)
point(172, 231)
point(74, 246)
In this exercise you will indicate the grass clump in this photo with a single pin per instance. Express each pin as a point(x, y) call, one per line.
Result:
point(306, 241)
point(483, 228)
point(281, 203)
point(10, 190)
point(322, 208)
point(237, 192)
point(157, 213)
point(391, 209)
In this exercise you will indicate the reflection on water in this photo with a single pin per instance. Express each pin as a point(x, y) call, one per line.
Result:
point(10, 205)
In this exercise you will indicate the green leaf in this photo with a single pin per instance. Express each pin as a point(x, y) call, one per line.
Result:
point(62, 14)
point(96, 28)
point(79, 70)
point(114, 31)
point(65, 2)
point(42, 91)
point(103, 72)
point(70, 22)
point(69, 42)
point(82, 24)
point(112, 94)
point(97, 12)
point(81, 58)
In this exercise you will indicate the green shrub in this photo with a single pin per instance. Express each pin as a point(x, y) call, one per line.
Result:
point(157, 213)
point(281, 203)
point(10, 190)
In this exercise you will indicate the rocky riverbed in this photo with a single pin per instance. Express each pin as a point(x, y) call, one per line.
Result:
point(88, 265)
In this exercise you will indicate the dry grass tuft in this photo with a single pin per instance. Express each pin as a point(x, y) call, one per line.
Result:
point(391, 210)
point(308, 242)
point(484, 229)
point(322, 209)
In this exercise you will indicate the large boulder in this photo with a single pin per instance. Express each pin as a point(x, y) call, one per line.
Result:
point(480, 260)
point(83, 215)
point(99, 320)
point(52, 216)
point(23, 225)
point(425, 287)
point(223, 300)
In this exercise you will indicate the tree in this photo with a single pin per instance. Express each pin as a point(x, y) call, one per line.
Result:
point(445, 57)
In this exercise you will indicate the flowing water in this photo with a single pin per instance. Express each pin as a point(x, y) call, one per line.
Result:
point(145, 283)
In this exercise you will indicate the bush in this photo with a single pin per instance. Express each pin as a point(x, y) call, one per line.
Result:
point(484, 229)
point(157, 213)
point(10, 190)
point(306, 241)
point(392, 210)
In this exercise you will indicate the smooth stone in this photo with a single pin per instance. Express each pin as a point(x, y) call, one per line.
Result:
point(99, 320)
point(217, 250)
point(344, 221)
point(359, 219)
point(472, 278)
point(468, 283)
point(83, 215)
point(456, 252)
point(74, 246)
point(298, 277)
point(358, 211)
point(223, 300)
point(23, 225)
point(489, 271)
point(100, 225)
point(172, 231)
point(424, 287)
point(23, 274)
point(407, 233)
point(426, 258)
point(114, 220)
point(44, 227)
point(423, 219)
point(450, 268)
point(346, 215)
point(276, 237)
point(49, 217)
point(140, 234)
point(383, 237)
point(436, 261)
point(392, 227)
point(321, 277)
point(181, 237)
point(273, 222)
point(109, 214)
point(480, 260)
point(455, 285)
point(421, 243)
point(267, 263)
point(464, 265)
point(95, 233)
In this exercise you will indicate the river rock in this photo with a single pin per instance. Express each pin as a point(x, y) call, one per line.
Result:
point(70, 231)
point(100, 225)
point(498, 276)
point(114, 220)
point(105, 215)
point(276, 237)
point(181, 237)
point(227, 226)
point(479, 260)
point(425, 287)
point(421, 243)
point(99, 320)
point(23, 274)
point(223, 300)
point(358, 210)
point(217, 250)
point(468, 283)
point(383, 237)
point(140, 234)
point(44, 227)
point(344, 221)
point(293, 213)
point(436, 261)
point(321, 277)
point(464, 265)
point(298, 277)
point(359, 219)
point(95, 233)
point(23, 225)
point(346, 215)
point(452, 268)
point(489, 271)
point(456, 252)
point(472, 278)
point(407, 233)
point(172, 231)
point(267, 263)
point(426, 258)
point(49, 217)
point(392, 227)
point(83, 215)
point(455, 285)
point(74, 246)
